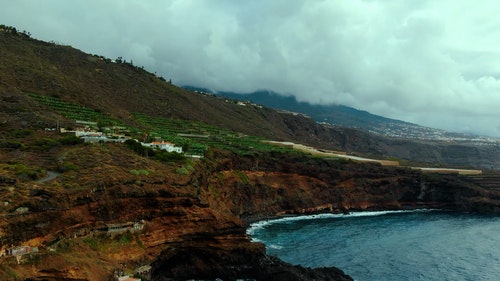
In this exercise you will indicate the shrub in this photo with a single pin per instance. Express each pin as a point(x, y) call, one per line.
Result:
point(70, 139)
point(182, 171)
point(138, 148)
point(139, 172)
point(65, 246)
point(138, 240)
point(189, 167)
point(92, 243)
point(46, 144)
point(126, 238)
point(66, 167)
point(169, 156)
point(21, 133)
point(12, 144)
point(25, 172)
point(242, 176)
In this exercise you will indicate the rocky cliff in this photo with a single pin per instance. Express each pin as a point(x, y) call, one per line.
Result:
point(193, 226)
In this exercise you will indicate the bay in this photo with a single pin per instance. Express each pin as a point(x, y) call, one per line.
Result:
point(389, 245)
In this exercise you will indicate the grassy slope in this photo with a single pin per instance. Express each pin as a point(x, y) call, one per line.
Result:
point(119, 89)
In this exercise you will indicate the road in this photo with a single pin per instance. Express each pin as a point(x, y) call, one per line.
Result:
point(50, 176)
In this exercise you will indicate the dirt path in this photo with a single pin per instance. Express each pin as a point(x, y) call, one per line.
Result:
point(341, 154)
point(50, 176)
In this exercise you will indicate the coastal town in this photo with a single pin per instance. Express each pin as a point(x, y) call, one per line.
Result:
point(416, 132)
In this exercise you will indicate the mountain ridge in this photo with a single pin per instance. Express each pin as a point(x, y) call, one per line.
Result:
point(121, 89)
point(344, 116)
point(289, 102)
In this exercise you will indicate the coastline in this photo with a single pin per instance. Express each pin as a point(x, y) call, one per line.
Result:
point(379, 241)
point(248, 221)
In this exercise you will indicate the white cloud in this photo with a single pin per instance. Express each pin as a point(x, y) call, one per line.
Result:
point(431, 62)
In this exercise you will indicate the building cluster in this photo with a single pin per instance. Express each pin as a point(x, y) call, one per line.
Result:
point(18, 252)
point(143, 271)
point(163, 145)
point(119, 228)
point(90, 135)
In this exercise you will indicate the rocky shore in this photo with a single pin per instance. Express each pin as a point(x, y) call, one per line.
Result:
point(193, 226)
point(297, 187)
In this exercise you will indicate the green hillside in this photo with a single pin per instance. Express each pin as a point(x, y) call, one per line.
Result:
point(43, 84)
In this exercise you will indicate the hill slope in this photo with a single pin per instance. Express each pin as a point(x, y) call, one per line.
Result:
point(334, 114)
point(120, 90)
point(341, 115)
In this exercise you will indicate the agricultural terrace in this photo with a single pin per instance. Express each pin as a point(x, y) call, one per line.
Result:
point(195, 137)
point(198, 135)
point(75, 111)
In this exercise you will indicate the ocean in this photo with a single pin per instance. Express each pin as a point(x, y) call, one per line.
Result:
point(389, 245)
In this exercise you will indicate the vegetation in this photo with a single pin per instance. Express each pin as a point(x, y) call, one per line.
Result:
point(241, 176)
point(92, 242)
point(139, 172)
point(70, 139)
point(126, 238)
point(25, 172)
point(196, 136)
point(182, 171)
point(66, 167)
point(22, 133)
point(14, 31)
point(118, 183)
point(160, 155)
point(193, 136)
point(75, 111)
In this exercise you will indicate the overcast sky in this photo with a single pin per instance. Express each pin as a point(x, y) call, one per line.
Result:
point(434, 63)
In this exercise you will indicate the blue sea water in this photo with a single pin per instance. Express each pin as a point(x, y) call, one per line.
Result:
point(398, 245)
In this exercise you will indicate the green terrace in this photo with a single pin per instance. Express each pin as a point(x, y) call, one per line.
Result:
point(75, 111)
point(198, 134)
point(194, 136)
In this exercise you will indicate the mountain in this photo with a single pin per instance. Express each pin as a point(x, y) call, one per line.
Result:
point(341, 115)
point(121, 91)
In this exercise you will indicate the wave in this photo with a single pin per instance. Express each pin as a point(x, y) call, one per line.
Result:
point(276, 247)
point(254, 227)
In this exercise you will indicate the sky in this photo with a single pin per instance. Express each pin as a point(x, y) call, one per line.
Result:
point(431, 62)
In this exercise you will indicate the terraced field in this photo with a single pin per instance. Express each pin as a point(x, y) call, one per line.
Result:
point(198, 135)
point(195, 137)
point(74, 111)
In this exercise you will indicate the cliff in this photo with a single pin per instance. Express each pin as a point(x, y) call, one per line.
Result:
point(193, 226)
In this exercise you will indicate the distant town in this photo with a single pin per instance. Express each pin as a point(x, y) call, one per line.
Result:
point(416, 132)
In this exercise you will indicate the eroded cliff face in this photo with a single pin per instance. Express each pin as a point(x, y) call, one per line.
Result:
point(255, 187)
point(193, 226)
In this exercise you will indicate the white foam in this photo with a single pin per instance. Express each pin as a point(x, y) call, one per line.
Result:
point(254, 227)
point(276, 247)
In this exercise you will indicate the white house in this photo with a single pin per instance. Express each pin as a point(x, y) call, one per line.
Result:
point(163, 145)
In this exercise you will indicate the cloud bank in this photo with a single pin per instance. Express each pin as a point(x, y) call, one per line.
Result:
point(431, 62)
